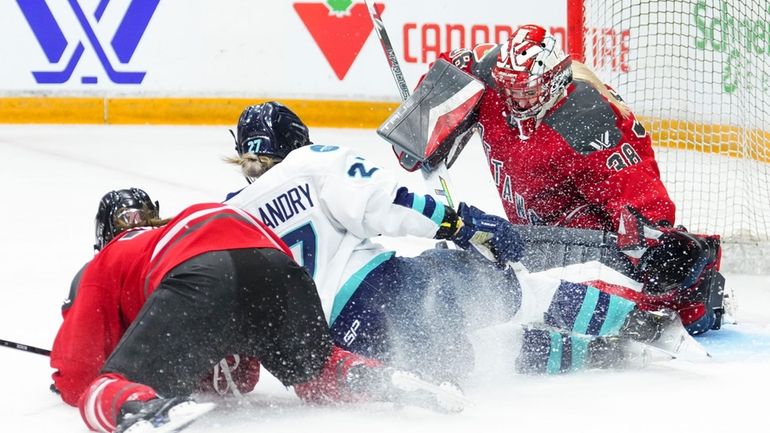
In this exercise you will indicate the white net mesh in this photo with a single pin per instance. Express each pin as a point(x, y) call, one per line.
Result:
point(697, 73)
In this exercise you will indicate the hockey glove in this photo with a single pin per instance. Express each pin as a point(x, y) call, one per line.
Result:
point(678, 269)
point(351, 377)
point(677, 260)
point(492, 236)
point(687, 265)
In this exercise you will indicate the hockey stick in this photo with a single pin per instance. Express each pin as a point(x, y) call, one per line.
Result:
point(438, 179)
point(24, 347)
point(387, 47)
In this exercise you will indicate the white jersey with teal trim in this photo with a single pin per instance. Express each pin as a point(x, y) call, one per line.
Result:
point(326, 202)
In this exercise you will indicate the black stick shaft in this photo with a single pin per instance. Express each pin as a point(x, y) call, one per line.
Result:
point(387, 46)
point(403, 90)
point(25, 348)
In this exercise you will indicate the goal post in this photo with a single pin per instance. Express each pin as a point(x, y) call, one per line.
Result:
point(697, 74)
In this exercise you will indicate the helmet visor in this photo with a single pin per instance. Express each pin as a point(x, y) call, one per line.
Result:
point(129, 217)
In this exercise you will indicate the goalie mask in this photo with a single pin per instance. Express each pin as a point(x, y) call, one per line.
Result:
point(122, 209)
point(270, 129)
point(531, 72)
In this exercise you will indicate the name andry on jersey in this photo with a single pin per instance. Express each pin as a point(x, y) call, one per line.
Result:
point(286, 205)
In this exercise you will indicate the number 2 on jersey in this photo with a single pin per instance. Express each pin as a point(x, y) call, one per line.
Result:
point(359, 169)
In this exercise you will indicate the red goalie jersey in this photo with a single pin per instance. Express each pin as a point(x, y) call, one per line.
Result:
point(577, 165)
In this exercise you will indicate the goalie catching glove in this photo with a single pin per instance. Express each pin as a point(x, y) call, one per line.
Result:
point(492, 236)
point(679, 269)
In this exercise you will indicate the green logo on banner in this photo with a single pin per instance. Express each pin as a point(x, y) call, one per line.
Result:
point(339, 5)
point(741, 39)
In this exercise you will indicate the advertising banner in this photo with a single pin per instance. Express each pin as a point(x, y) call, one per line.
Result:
point(240, 48)
point(181, 61)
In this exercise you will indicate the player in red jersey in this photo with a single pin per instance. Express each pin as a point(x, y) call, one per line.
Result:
point(158, 307)
point(565, 150)
point(562, 147)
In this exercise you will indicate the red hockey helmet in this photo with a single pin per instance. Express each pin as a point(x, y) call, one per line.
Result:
point(531, 71)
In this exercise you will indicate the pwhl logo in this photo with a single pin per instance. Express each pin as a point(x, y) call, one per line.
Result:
point(54, 43)
point(339, 28)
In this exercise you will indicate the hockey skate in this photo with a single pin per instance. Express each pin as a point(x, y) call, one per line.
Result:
point(159, 415)
point(622, 352)
point(663, 329)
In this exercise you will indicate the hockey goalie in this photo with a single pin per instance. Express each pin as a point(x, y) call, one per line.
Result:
point(539, 114)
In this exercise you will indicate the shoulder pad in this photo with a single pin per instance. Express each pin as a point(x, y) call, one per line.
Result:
point(481, 50)
point(586, 121)
point(482, 68)
point(614, 93)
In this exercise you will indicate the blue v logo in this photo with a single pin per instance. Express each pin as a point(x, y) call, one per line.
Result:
point(54, 42)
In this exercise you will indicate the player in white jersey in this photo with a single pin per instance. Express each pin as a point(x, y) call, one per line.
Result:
point(326, 203)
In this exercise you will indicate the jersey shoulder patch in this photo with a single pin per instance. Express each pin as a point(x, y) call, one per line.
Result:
point(320, 148)
point(586, 121)
point(463, 57)
point(460, 57)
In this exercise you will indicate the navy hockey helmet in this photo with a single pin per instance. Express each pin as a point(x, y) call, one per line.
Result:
point(122, 208)
point(270, 129)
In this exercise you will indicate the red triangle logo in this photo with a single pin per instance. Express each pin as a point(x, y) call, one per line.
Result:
point(340, 38)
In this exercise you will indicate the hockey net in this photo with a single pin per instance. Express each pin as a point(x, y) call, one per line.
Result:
point(697, 74)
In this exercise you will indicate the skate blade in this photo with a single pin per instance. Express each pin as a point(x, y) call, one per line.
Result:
point(179, 417)
point(642, 355)
point(445, 397)
point(682, 346)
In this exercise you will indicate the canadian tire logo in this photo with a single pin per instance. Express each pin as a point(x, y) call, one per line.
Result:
point(339, 28)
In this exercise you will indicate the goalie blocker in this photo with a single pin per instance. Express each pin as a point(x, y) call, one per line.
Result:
point(435, 123)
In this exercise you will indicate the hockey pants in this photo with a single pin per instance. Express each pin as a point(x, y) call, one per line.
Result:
point(255, 302)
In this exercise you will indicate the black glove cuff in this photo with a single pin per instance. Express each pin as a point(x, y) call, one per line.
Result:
point(449, 224)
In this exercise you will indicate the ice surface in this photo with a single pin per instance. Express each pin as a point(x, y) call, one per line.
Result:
point(51, 178)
